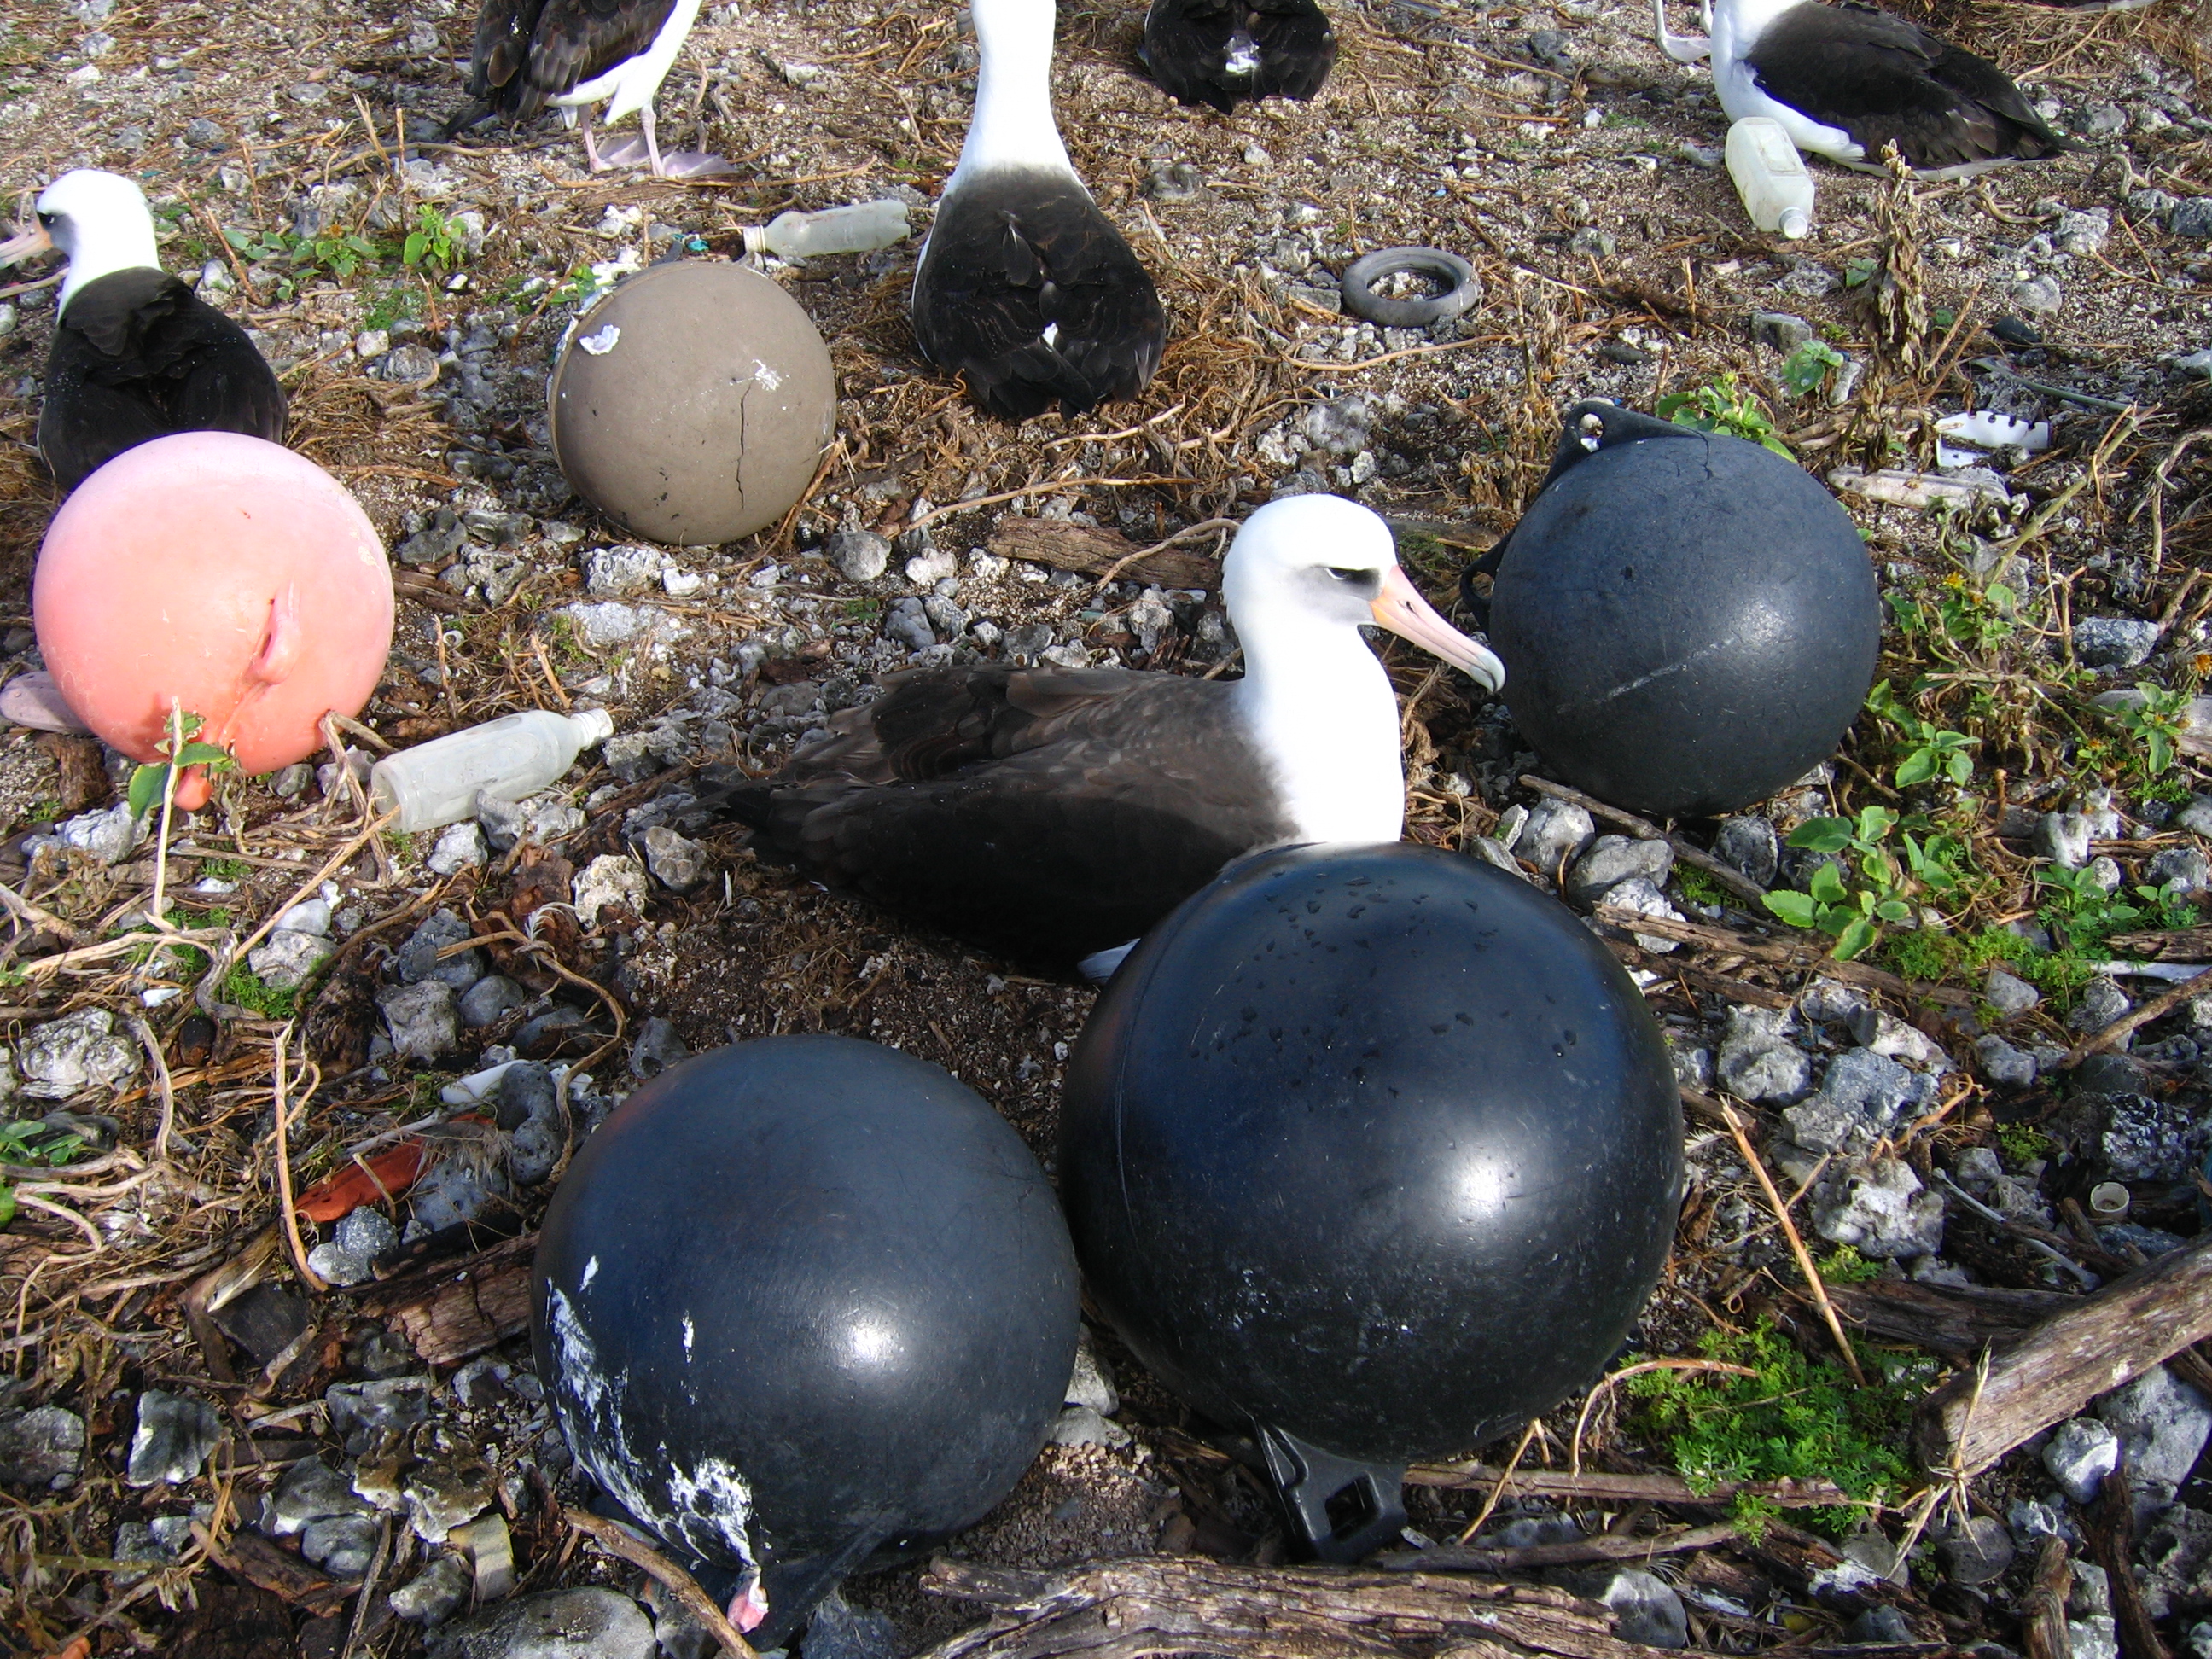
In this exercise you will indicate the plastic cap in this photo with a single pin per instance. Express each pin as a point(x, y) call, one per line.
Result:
point(595, 724)
point(756, 240)
point(1796, 223)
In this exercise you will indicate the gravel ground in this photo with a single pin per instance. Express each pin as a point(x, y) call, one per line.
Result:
point(1577, 169)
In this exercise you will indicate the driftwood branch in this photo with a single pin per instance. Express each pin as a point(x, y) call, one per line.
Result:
point(1606, 1547)
point(2043, 1609)
point(1167, 1605)
point(1594, 1486)
point(1090, 551)
point(2112, 1541)
point(455, 1309)
point(2069, 1358)
point(1956, 1323)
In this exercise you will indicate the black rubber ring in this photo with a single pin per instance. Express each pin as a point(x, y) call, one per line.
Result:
point(1360, 276)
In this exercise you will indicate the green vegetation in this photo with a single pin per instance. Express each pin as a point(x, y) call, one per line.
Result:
point(435, 241)
point(27, 1144)
point(1931, 750)
point(1724, 405)
point(245, 987)
point(1922, 859)
point(2157, 723)
point(1806, 370)
point(149, 782)
point(2022, 1142)
point(1793, 1418)
point(1845, 1266)
point(299, 259)
point(225, 869)
point(398, 300)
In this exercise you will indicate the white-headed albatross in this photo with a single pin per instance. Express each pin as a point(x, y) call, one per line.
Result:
point(1056, 814)
point(1024, 287)
point(1846, 79)
point(136, 354)
point(1223, 52)
point(572, 54)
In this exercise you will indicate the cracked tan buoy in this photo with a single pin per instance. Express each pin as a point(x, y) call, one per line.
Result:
point(691, 405)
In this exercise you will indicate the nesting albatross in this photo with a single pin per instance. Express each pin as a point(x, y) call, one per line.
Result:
point(1024, 287)
point(136, 354)
point(1844, 81)
point(572, 54)
point(1223, 52)
point(1057, 814)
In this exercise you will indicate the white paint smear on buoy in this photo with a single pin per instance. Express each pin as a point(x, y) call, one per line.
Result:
point(602, 343)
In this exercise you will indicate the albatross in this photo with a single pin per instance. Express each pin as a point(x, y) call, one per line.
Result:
point(1223, 52)
point(572, 54)
point(1057, 814)
point(136, 354)
point(1024, 287)
point(1846, 81)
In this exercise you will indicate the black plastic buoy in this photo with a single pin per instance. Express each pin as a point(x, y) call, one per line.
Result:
point(1371, 1153)
point(802, 1302)
point(1688, 622)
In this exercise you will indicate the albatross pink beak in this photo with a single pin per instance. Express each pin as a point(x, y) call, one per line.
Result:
point(23, 245)
point(1400, 608)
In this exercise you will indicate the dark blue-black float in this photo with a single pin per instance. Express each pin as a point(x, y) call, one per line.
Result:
point(1688, 622)
point(804, 1305)
point(1371, 1154)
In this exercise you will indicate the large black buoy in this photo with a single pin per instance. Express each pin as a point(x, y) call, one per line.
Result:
point(1688, 622)
point(1370, 1152)
point(802, 1302)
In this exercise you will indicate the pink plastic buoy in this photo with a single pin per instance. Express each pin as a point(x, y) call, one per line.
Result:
point(221, 575)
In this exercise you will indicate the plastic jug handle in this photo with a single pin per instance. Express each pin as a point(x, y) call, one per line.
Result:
point(1306, 1479)
point(1591, 425)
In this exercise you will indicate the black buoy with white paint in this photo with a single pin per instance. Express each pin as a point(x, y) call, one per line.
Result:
point(1024, 287)
point(803, 1306)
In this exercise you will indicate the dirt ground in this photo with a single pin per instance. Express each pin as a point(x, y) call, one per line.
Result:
point(1552, 147)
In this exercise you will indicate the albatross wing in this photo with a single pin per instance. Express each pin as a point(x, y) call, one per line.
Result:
point(1193, 50)
point(530, 51)
point(1027, 290)
point(1884, 80)
point(1052, 814)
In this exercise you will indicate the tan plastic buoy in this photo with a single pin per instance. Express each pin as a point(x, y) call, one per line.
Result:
point(693, 403)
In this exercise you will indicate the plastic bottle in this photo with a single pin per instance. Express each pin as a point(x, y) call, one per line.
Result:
point(437, 782)
point(1776, 190)
point(860, 228)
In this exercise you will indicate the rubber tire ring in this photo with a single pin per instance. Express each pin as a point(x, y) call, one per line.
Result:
point(1358, 285)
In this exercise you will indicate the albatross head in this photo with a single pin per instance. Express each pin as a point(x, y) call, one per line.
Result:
point(1320, 560)
point(99, 221)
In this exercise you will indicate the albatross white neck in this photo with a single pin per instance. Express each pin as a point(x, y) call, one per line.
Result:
point(1013, 126)
point(103, 245)
point(1321, 709)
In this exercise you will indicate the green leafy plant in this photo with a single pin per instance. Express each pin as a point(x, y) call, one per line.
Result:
point(149, 782)
point(2158, 722)
point(2081, 915)
point(1930, 750)
point(435, 241)
point(1858, 272)
point(1723, 405)
point(27, 1145)
point(1807, 369)
point(1887, 872)
point(1792, 1418)
point(399, 300)
point(2022, 1142)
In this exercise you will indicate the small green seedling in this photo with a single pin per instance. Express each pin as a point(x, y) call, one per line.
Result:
point(1930, 750)
point(150, 782)
point(28, 1143)
point(1723, 405)
point(435, 241)
point(1807, 369)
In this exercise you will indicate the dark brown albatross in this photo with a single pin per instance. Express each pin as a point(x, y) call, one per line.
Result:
point(1846, 80)
point(1057, 814)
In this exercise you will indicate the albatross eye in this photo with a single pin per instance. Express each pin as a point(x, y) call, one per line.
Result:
point(47, 219)
point(1349, 575)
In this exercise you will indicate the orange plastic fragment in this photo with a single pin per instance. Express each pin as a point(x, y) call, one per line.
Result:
point(364, 1180)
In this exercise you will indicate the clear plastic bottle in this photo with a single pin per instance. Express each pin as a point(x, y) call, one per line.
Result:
point(1776, 190)
point(860, 228)
point(437, 782)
